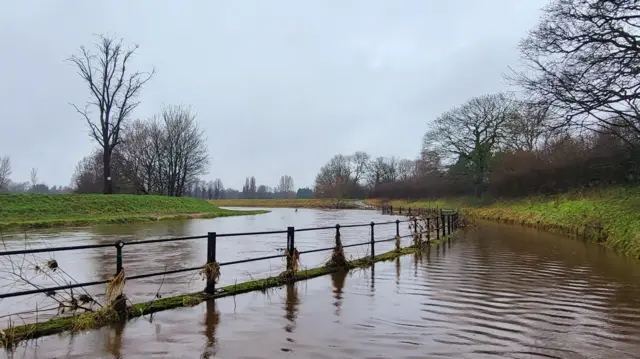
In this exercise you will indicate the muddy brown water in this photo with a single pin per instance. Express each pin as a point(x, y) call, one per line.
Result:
point(496, 292)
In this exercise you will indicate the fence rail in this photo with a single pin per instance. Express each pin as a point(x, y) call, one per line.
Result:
point(440, 220)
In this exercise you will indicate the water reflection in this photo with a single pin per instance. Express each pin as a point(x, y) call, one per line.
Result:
point(337, 280)
point(113, 339)
point(211, 322)
point(100, 263)
point(498, 292)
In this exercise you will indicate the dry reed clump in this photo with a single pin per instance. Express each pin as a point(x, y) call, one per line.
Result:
point(294, 259)
point(466, 222)
point(115, 292)
point(211, 270)
point(338, 259)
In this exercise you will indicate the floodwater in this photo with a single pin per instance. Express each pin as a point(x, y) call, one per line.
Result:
point(495, 292)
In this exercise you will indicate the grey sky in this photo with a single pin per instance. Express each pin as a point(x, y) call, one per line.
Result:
point(278, 86)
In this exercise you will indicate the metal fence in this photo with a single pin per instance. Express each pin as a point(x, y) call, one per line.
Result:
point(443, 222)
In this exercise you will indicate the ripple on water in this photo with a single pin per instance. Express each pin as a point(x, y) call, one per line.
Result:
point(497, 292)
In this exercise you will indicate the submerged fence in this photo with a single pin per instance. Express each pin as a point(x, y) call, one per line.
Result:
point(439, 221)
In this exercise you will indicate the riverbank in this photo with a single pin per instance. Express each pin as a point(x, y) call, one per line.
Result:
point(321, 203)
point(9, 337)
point(31, 211)
point(609, 216)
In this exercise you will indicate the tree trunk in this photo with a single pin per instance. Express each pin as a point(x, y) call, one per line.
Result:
point(106, 172)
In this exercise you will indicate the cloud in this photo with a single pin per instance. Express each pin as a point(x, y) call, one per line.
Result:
point(279, 86)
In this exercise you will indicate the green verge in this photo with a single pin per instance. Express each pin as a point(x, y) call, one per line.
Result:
point(9, 337)
point(324, 203)
point(33, 211)
point(609, 216)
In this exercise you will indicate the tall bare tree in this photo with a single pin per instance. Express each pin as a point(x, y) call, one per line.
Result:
point(218, 188)
point(113, 91)
point(471, 132)
point(334, 179)
point(359, 165)
point(34, 177)
point(285, 187)
point(5, 172)
point(583, 59)
point(186, 155)
point(529, 127)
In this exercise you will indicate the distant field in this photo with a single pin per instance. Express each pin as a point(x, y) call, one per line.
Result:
point(22, 211)
point(284, 203)
point(609, 215)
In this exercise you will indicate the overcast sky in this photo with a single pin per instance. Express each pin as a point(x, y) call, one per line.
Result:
point(279, 86)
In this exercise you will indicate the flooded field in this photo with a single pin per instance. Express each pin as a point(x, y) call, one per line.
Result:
point(496, 292)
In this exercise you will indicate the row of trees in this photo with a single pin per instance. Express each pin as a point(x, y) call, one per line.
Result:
point(575, 124)
point(164, 154)
point(32, 186)
point(358, 175)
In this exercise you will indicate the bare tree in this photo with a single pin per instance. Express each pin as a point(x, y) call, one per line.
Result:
point(34, 178)
point(471, 132)
point(113, 92)
point(5, 172)
point(218, 188)
point(142, 150)
point(285, 187)
point(186, 155)
point(359, 165)
point(529, 127)
point(582, 59)
point(334, 179)
point(406, 169)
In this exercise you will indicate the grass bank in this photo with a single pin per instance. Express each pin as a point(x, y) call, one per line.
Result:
point(610, 216)
point(284, 203)
point(28, 211)
point(11, 336)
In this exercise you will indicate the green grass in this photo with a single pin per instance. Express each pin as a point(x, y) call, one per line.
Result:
point(24, 211)
point(9, 337)
point(610, 216)
point(284, 203)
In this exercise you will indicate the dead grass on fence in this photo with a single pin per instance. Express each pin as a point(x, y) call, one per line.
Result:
point(117, 310)
point(338, 259)
point(210, 270)
point(292, 257)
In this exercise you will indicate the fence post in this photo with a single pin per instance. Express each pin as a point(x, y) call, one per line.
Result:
point(119, 244)
point(444, 228)
point(398, 227)
point(428, 231)
point(210, 287)
point(449, 222)
point(290, 247)
point(409, 211)
point(455, 222)
point(437, 227)
point(373, 241)
point(415, 225)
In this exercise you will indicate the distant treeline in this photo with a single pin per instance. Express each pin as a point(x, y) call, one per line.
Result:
point(574, 123)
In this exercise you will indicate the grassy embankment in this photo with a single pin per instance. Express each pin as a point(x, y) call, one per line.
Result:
point(610, 216)
point(284, 203)
point(13, 335)
point(24, 211)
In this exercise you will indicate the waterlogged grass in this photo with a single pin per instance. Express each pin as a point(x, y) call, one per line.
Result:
point(284, 203)
point(24, 211)
point(610, 216)
point(11, 336)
